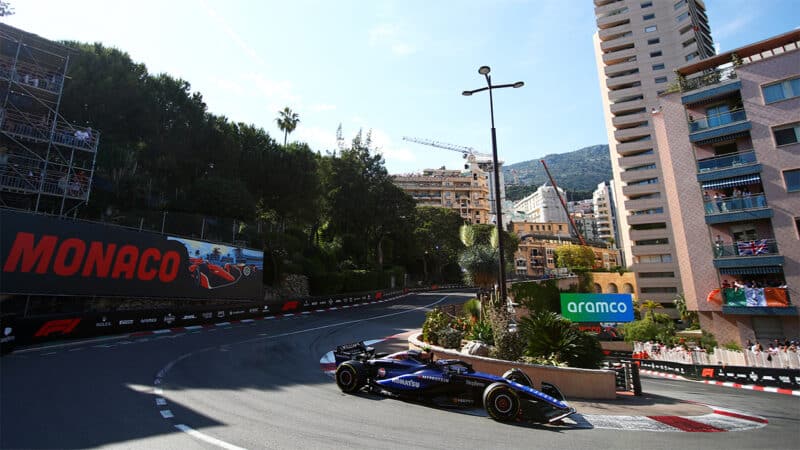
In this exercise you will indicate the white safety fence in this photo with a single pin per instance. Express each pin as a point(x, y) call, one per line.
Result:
point(780, 359)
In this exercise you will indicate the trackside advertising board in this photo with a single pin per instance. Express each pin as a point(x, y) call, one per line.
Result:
point(597, 307)
point(43, 255)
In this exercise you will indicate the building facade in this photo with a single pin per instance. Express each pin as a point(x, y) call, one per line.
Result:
point(543, 205)
point(605, 213)
point(465, 191)
point(729, 152)
point(637, 46)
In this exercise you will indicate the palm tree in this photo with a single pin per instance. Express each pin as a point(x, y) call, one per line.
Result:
point(287, 122)
point(649, 306)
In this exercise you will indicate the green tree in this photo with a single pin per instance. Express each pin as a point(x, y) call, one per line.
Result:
point(575, 256)
point(690, 317)
point(435, 238)
point(649, 306)
point(287, 122)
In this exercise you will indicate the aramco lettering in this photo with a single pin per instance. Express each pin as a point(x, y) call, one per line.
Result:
point(614, 307)
point(73, 256)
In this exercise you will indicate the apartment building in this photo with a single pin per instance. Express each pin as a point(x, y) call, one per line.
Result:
point(605, 213)
point(637, 46)
point(543, 205)
point(535, 255)
point(729, 157)
point(465, 191)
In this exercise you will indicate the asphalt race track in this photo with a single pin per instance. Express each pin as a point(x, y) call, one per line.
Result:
point(259, 385)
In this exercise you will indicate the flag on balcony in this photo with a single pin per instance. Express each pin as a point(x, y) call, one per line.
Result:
point(755, 297)
point(714, 297)
point(752, 247)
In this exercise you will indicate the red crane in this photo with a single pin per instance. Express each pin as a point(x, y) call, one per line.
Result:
point(563, 203)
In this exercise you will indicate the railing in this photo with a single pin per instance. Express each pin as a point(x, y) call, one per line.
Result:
point(717, 120)
point(746, 248)
point(721, 206)
point(725, 161)
point(39, 128)
point(708, 78)
point(779, 359)
point(30, 75)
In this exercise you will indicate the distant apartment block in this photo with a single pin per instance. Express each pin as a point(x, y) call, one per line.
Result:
point(465, 191)
point(543, 205)
point(605, 213)
point(535, 256)
point(728, 138)
point(637, 46)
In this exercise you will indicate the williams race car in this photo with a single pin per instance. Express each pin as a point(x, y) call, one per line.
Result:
point(413, 375)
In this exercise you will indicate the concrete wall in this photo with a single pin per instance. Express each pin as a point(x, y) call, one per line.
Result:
point(573, 383)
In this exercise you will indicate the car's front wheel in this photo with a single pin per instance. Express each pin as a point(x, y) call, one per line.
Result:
point(351, 376)
point(501, 402)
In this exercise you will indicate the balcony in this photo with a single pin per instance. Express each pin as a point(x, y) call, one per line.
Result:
point(627, 148)
point(613, 32)
point(709, 78)
point(711, 128)
point(613, 82)
point(766, 301)
point(737, 210)
point(638, 160)
point(30, 75)
point(625, 40)
point(638, 189)
point(37, 129)
point(630, 119)
point(625, 106)
point(641, 250)
point(629, 176)
point(762, 252)
point(622, 67)
point(742, 158)
point(619, 56)
point(632, 133)
point(640, 219)
point(643, 203)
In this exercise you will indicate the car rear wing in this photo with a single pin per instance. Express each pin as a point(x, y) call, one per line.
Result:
point(356, 350)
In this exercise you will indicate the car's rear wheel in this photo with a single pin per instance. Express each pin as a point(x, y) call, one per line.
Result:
point(501, 402)
point(351, 376)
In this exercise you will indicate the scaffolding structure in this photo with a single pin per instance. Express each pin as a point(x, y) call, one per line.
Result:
point(46, 162)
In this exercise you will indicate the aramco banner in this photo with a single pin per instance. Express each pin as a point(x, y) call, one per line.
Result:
point(597, 307)
point(43, 255)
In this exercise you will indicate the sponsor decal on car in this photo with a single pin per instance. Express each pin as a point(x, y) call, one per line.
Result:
point(126, 322)
point(252, 310)
point(189, 317)
point(149, 320)
point(475, 383)
point(220, 314)
point(103, 323)
point(432, 378)
point(207, 315)
point(406, 382)
point(381, 372)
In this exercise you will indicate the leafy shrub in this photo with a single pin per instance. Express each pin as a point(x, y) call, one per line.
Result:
point(435, 321)
point(449, 337)
point(508, 345)
point(482, 331)
point(550, 360)
point(472, 309)
point(538, 296)
point(550, 336)
point(734, 346)
point(707, 341)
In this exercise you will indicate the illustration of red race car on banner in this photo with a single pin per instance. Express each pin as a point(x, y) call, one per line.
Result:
point(214, 266)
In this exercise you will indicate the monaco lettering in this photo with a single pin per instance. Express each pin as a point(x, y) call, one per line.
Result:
point(74, 256)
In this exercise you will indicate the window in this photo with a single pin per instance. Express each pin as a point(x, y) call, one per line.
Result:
point(648, 16)
point(651, 29)
point(656, 274)
point(781, 90)
point(682, 17)
point(692, 56)
point(679, 4)
point(797, 226)
point(646, 5)
point(653, 41)
point(659, 241)
point(658, 66)
point(787, 134)
point(661, 80)
point(655, 54)
point(792, 180)
point(659, 290)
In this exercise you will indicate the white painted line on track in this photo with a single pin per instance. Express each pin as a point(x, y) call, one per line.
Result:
point(162, 331)
point(167, 414)
point(222, 324)
point(247, 320)
point(269, 317)
point(306, 312)
point(194, 327)
point(76, 349)
point(204, 437)
point(288, 315)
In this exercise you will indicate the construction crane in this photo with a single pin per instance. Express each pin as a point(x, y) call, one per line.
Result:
point(468, 152)
point(563, 203)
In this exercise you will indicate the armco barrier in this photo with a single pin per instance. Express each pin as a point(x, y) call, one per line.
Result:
point(781, 378)
point(573, 383)
point(33, 330)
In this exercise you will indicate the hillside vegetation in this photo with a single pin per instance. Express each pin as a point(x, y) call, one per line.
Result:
point(577, 172)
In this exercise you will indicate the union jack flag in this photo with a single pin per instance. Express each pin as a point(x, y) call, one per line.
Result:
point(752, 247)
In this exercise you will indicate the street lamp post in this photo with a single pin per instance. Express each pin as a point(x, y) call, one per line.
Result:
point(484, 70)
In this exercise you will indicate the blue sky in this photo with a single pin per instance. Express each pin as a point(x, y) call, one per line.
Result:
point(396, 67)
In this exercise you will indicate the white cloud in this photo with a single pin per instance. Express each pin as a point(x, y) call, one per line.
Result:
point(389, 35)
point(320, 107)
point(319, 139)
point(229, 86)
point(391, 150)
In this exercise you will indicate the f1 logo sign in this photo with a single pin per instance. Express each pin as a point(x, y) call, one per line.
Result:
point(64, 326)
point(708, 372)
point(290, 305)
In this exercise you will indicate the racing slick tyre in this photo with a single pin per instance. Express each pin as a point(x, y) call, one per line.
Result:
point(518, 376)
point(351, 376)
point(501, 403)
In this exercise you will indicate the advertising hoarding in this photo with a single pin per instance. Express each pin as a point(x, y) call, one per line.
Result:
point(597, 307)
point(43, 255)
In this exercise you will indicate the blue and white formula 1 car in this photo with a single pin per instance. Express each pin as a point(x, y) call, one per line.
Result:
point(413, 375)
